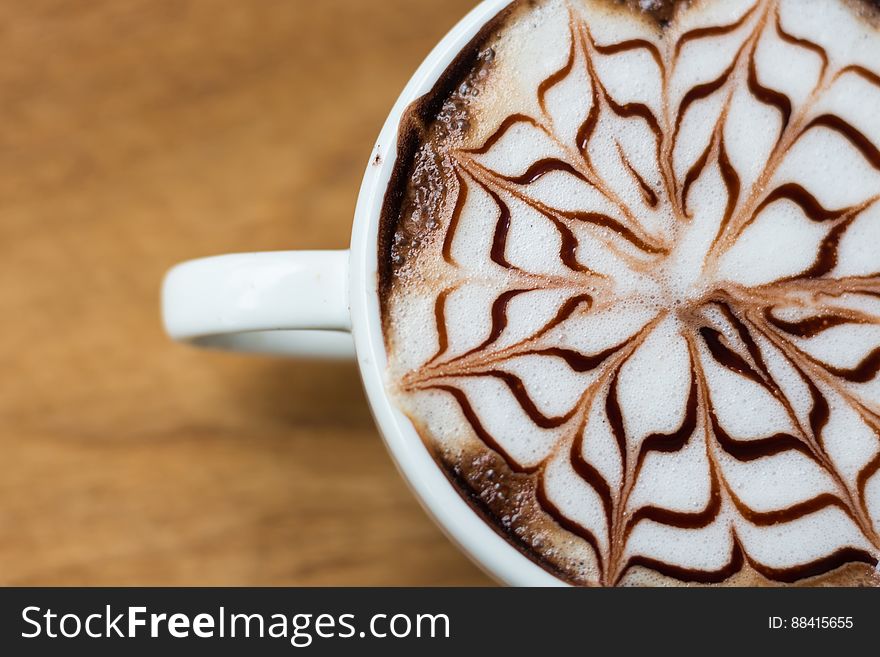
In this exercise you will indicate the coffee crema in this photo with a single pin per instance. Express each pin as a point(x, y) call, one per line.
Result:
point(630, 284)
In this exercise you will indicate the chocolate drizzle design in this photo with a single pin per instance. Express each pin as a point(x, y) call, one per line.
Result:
point(752, 332)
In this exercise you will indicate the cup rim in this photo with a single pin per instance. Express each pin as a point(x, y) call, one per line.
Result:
point(473, 535)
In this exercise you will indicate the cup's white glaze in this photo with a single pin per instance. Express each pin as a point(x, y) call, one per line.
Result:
point(301, 303)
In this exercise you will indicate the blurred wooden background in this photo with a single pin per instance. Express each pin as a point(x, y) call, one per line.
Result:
point(135, 134)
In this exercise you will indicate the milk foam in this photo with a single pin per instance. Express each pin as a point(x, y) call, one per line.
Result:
point(649, 299)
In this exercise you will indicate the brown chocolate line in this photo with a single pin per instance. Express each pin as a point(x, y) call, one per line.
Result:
point(440, 319)
point(567, 523)
point(499, 320)
point(626, 111)
point(487, 438)
point(815, 568)
point(615, 419)
point(636, 111)
point(820, 411)
point(557, 77)
point(697, 93)
point(853, 135)
point(519, 392)
point(864, 476)
point(789, 514)
point(541, 168)
point(802, 43)
point(680, 519)
point(592, 477)
point(769, 96)
point(727, 357)
point(495, 137)
point(568, 247)
point(734, 564)
point(862, 72)
point(864, 372)
point(669, 443)
point(502, 229)
point(460, 201)
point(809, 327)
point(588, 127)
point(577, 361)
point(713, 31)
point(808, 203)
point(694, 173)
point(745, 335)
point(603, 220)
point(633, 44)
point(648, 194)
point(585, 132)
point(566, 311)
point(747, 451)
point(731, 183)
point(826, 258)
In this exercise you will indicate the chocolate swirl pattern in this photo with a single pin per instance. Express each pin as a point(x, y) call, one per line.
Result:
point(634, 299)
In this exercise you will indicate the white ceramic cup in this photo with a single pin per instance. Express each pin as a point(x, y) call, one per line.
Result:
point(313, 303)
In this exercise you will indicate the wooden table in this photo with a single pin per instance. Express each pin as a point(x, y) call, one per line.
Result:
point(136, 134)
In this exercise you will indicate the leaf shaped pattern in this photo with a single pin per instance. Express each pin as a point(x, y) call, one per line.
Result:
point(655, 307)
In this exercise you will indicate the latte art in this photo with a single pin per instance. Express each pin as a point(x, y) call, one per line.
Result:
point(630, 274)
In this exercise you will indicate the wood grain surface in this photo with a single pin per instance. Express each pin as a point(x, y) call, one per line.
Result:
point(136, 134)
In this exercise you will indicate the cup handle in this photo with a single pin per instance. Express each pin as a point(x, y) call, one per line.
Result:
point(288, 303)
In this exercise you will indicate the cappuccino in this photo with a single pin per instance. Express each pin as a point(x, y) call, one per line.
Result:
point(630, 284)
